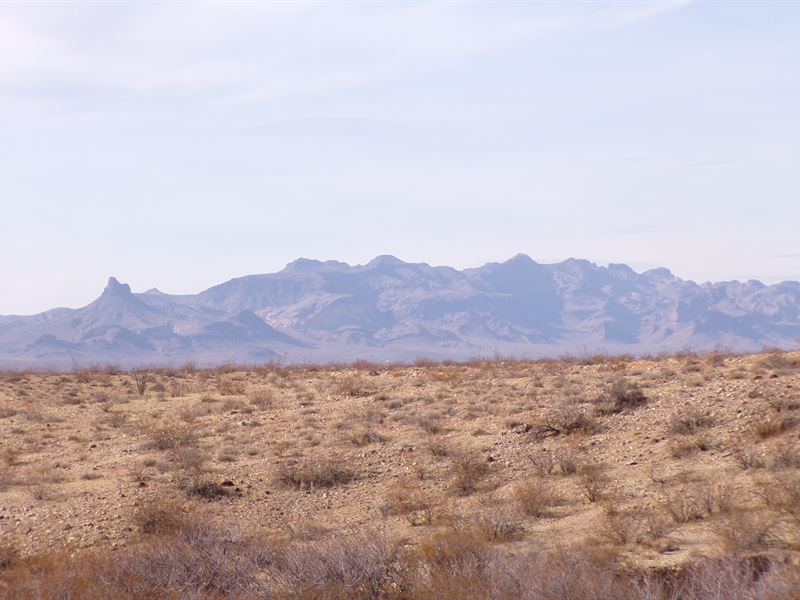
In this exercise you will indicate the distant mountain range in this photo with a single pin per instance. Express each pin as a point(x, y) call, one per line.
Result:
point(388, 309)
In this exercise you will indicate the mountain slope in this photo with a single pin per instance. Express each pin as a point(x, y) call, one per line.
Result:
point(392, 310)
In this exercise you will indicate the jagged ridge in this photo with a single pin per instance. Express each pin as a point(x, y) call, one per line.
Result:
point(392, 310)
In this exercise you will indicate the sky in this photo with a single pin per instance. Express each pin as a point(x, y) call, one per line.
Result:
point(177, 145)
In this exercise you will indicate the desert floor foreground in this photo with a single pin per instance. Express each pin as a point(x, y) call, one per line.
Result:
point(646, 465)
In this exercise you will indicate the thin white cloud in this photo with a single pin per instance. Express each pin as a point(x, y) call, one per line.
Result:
point(256, 52)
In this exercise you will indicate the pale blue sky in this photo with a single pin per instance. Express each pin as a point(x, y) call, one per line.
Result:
point(179, 145)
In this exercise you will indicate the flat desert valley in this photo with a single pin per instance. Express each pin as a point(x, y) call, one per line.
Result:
point(602, 477)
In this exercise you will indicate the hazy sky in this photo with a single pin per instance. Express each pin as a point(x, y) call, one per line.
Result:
point(178, 145)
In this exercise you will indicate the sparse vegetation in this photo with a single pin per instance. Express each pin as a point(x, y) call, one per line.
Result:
point(478, 480)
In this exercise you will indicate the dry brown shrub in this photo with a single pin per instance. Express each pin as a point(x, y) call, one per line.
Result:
point(690, 423)
point(565, 418)
point(228, 387)
point(778, 360)
point(315, 471)
point(745, 530)
point(232, 405)
point(406, 498)
point(685, 506)
point(717, 358)
point(497, 527)
point(736, 374)
point(452, 550)
point(176, 389)
point(353, 386)
point(159, 516)
point(7, 479)
point(10, 455)
point(621, 528)
point(567, 460)
point(782, 494)
point(784, 405)
point(172, 437)
point(207, 490)
point(337, 568)
point(42, 475)
point(190, 414)
point(749, 458)
point(306, 530)
point(493, 575)
point(543, 462)
point(439, 448)
point(719, 497)
point(140, 379)
point(185, 557)
point(536, 497)
point(786, 455)
point(594, 481)
point(114, 418)
point(196, 560)
point(623, 395)
point(468, 472)
point(693, 366)
point(9, 554)
point(728, 577)
point(228, 454)
point(363, 435)
point(564, 460)
point(687, 447)
point(432, 423)
point(261, 399)
point(189, 458)
point(83, 375)
point(775, 425)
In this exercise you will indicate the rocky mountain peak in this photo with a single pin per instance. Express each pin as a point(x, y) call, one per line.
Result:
point(115, 288)
point(391, 310)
